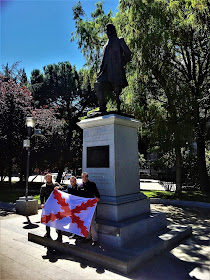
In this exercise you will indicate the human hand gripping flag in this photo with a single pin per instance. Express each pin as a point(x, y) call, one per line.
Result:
point(68, 212)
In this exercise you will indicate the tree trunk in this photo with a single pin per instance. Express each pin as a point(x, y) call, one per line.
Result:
point(202, 170)
point(34, 177)
point(178, 170)
point(60, 173)
point(21, 176)
point(10, 174)
point(2, 175)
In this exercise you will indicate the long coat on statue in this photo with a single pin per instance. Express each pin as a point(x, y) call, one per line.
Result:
point(116, 55)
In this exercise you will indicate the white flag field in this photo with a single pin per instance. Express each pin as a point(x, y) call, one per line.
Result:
point(69, 212)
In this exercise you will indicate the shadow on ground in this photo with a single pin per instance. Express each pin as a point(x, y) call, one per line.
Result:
point(181, 263)
point(159, 268)
point(4, 213)
point(192, 254)
point(53, 256)
point(196, 248)
point(29, 224)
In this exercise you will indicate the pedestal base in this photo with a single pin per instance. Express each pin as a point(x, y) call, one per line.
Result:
point(27, 208)
point(110, 157)
point(121, 208)
point(119, 234)
point(123, 260)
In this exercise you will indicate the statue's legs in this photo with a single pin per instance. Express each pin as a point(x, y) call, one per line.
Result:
point(118, 90)
point(100, 95)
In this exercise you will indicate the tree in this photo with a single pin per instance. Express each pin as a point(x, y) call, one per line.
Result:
point(15, 105)
point(37, 89)
point(12, 72)
point(63, 88)
point(23, 80)
point(90, 34)
point(93, 47)
point(45, 152)
point(170, 68)
point(170, 40)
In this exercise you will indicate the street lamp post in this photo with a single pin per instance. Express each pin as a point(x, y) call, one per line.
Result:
point(30, 123)
point(27, 205)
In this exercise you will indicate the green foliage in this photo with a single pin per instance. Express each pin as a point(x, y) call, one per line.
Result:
point(142, 161)
point(169, 74)
point(12, 72)
point(90, 34)
point(11, 194)
point(37, 196)
point(189, 195)
point(24, 80)
point(165, 162)
point(67, 93)
point(208, 157)
point(15, 105)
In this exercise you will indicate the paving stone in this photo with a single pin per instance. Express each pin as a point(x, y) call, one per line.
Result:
point(183, 262)
point(38, 264)
point(12, 267)
point(4, 275)
point(14, 255)
point(56, 273)
point(202, 272)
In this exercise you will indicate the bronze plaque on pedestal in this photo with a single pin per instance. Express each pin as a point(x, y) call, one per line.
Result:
point(98, 157)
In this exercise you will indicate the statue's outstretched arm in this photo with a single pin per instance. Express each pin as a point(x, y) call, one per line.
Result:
point(126, 51)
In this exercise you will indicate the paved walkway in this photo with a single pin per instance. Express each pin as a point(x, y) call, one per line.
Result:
point(151, 184)
point(20, 259)
point(145, 184)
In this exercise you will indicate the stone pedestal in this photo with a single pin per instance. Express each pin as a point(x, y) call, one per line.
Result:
point(110, 156)
point(124, 219)
point(27, 208)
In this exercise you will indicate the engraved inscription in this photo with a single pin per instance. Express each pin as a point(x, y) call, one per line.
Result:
point(98, 134)
point(99, 178)
point(98, 137)
point(102, 180)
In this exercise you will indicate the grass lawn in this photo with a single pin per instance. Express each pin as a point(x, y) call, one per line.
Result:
point(185, 195)
point(37, 196)
point(11, 195)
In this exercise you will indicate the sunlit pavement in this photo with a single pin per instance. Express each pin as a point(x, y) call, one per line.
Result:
point(150, 184)
point(41, 179)
point(21, 259)
point(145, 184)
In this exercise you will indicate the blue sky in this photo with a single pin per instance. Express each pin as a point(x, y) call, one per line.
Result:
point(38, 32)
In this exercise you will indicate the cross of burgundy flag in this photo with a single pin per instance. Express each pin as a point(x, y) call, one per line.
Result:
point(69, 212)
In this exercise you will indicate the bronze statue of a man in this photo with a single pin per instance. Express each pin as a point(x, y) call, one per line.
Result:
point(111, 75)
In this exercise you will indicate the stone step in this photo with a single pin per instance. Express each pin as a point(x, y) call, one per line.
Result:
point(125, 259)
point(118, 234)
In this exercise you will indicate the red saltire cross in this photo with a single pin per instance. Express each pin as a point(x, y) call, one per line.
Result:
point(69, 212)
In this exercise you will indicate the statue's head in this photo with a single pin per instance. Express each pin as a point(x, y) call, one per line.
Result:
point(110, 30)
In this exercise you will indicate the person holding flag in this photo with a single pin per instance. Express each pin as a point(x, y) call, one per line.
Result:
point(45, 192)
point(73, 188)
point(88, 189)
point(70, 212)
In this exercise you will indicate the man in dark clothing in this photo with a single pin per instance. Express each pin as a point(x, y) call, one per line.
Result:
point(73, 188)
point(89, 190)
point(45, 192)
point(111, 76)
